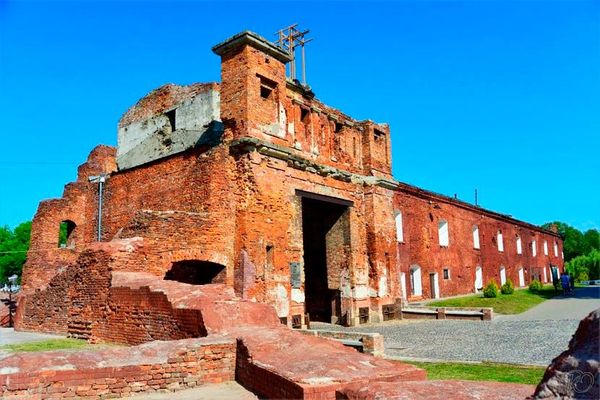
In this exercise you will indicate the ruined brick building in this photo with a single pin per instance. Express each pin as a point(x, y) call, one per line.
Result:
point(255, 185)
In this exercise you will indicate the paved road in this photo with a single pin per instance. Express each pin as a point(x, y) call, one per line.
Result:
point(574, 307)
point(9, 336)
point(534, 338)
point(221, 391)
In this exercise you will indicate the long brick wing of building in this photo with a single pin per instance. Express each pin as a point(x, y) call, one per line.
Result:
point(255, 185)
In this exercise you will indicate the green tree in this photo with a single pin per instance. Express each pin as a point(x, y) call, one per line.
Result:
point(586, 266)
point(62, 234)
point(575, 243)
point(13, 249)
point(592, 239)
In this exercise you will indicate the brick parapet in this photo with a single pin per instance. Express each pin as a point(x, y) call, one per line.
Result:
point(158, 366)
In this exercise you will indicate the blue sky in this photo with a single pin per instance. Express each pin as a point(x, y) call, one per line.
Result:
point(502, 96)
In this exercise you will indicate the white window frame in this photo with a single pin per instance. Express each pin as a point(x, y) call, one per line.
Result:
point(399, 227)
point(502, 275)
point(519, 245)
point(500, 240)
point(533, 248)
point(545, 247)
point(478, 279)
point(416, 280)
point(555, 248)
point(522, 277)
point(476, 244)
point(443, 233)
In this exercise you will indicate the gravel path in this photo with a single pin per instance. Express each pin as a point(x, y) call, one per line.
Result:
point(533, 339)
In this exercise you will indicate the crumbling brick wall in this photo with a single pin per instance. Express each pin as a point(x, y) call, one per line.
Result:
point(46, 310)
point(82, 302)
point(79, 205)
point(155, 367)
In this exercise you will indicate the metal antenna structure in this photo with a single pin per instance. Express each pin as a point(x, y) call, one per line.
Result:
point(289, 38)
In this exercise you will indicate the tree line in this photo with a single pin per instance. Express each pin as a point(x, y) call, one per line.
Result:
point(581, 250)
point(14, 244)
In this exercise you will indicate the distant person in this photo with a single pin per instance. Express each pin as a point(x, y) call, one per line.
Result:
point(572, 283)
point(555, 282)
point(564, 280)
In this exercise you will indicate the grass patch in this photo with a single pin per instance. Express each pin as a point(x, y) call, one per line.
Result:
point(521, 300)
point(482, 372)
point(45, 345)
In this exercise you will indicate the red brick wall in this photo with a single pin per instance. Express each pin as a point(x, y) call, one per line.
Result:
point(182, 205)
point(269, 213)
point(79, 205)
point(136, 316)
point(208, 363)
point(46, 309)
point(227, 205)
point(260, 380)
point(324, 135)
point(421, 214)
point(81, 302)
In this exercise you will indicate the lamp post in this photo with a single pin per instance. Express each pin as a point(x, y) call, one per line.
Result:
point(11, 287)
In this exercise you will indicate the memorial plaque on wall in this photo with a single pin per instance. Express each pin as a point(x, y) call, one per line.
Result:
point(296, 274)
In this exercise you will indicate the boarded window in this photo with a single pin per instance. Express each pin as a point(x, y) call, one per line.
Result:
point(555, 249)
point(399, 228)
point(519, 245)
point(475, 237)
point(443, 234)
point(533, 248)
point(545, 248)
point(502, 275)
point(500, 241)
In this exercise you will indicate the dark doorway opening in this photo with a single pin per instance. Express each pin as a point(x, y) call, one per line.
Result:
point(326, 245)
point(196, 272)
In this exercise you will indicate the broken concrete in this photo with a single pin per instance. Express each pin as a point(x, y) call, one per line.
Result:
point(187, 117)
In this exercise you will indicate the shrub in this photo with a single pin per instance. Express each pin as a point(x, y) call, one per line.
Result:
point(535, 285)
point(508, 287)
point(491, 290)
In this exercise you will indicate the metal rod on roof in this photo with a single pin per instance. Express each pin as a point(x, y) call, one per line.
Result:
point(303, 67)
